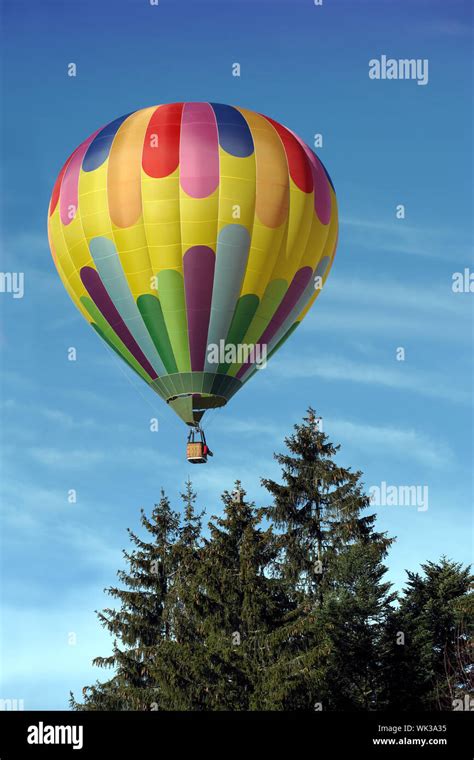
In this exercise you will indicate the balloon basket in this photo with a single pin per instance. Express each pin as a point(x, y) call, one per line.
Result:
point(195, 453)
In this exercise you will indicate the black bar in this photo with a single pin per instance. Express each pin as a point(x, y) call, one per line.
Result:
point(424, 735)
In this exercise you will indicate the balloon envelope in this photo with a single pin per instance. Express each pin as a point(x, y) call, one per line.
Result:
point(193, 237)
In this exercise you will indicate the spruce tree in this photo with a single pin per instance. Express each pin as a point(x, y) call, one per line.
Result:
point(353, 617)
point(142, 622)
point(182, 608)
point(240, 603)
point(182, 669)
point(427, 664)
point(317, 511)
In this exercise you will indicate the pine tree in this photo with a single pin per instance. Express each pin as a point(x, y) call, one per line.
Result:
point(317, 510)
point(353, 616)
point(182, 668)
point(141, 623)
point(240, 604)
point(181, 608)
point(427, 662)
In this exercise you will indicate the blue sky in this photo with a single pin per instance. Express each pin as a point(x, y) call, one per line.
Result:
point(84, 425)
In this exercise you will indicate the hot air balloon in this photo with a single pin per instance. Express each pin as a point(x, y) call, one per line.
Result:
point(194, 238)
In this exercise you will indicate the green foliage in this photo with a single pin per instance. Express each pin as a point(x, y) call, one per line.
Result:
point(329, 562)
point(283, 607)
point(428, 638)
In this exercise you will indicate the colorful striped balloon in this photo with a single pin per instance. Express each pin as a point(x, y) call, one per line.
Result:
point(180, 228)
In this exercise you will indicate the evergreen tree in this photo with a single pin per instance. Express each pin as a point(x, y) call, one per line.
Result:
point(459, 666)
point(142, 622)
point(427, 639)
point(240, 604)
point(194, 617)
point(323, 542)
point(184, 613)
point(182, 669)
point(354, 615)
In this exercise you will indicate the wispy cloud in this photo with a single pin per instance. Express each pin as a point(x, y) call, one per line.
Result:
point(389, 293)
point(68, 459)
point(393, 442)
point(249, 427)
point(39, 516)
point(380, 306)
point(396, 377)
point(398, 236)
point(68, 421)
point(360, 322)
point(449, 28)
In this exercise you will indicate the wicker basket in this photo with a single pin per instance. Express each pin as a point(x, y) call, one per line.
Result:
point(195, 452)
